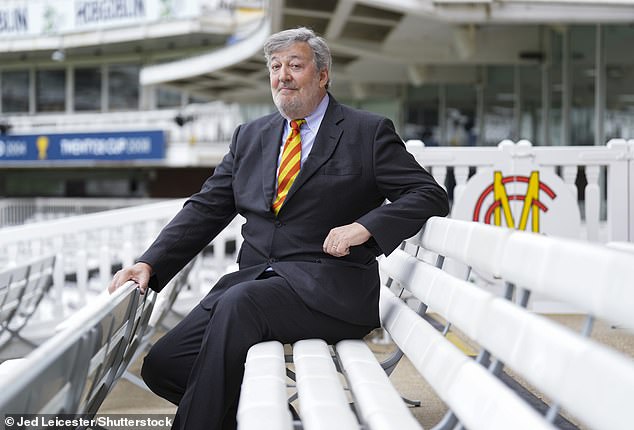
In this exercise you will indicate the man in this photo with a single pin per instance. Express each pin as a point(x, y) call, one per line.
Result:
point(314, 225)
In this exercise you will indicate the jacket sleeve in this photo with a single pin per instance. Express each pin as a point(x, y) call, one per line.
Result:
point(203, 216)
point(413, 194)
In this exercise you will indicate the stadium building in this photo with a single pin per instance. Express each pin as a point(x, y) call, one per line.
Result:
point(140, 97)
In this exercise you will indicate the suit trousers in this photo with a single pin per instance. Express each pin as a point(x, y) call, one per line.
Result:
point(198, 365)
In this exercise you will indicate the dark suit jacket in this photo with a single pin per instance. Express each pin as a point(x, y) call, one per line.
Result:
point(357, 162)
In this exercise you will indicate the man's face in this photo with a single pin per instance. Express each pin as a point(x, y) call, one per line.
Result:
point(296, 84)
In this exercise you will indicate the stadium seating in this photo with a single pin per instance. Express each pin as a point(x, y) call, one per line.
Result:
point(22, 288)
point(567, 367)
point(73, 371)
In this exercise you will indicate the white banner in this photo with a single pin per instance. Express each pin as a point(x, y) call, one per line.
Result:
point(22, 18)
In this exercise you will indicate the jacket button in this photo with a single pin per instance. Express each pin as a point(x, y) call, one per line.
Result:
point(278, 223)
point(272, 260)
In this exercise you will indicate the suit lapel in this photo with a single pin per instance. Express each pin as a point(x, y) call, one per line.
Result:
point(325, 143)
point(270, 146)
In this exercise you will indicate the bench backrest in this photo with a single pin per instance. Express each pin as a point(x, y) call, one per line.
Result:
point(474, 244)
point(566, 366)
point(70, 372)
point(464, 385)
point(38, 282)
point(595, 279)
point(12, 284)
point(140, 329)
point(111, 336)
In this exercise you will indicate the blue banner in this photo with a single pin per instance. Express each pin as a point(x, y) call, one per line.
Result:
point(127, 145)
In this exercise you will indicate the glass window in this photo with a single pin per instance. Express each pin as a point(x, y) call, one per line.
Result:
point(619, 113)
point(531, 102)
point(123, 87)
point(15, 91)
point(195, 98)
point(167, 97)
point(87, 89)
point(460, 115)
point(50, 90)
point(556, 88)
point(582, 71)
point(421, 115)
point(499, 101)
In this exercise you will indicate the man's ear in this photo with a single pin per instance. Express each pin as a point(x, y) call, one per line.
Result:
point(323, 78)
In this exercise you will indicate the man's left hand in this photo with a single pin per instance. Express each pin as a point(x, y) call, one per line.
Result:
point(340, 239)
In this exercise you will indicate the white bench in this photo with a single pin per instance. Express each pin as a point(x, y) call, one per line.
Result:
point(22, 288)
point(153, 320)
point(72, 372)
point(594, 384)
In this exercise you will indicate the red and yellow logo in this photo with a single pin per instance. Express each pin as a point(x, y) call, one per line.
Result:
point(501, 205)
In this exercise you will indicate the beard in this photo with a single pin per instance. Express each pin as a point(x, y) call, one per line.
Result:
point(297, 104)
point(290, 107)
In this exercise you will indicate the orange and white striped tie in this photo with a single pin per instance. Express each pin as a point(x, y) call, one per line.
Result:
point(289, 166)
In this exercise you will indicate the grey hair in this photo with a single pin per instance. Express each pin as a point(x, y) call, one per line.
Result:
point(283, 39)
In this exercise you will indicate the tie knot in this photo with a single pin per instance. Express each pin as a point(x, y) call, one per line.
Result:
point(297, 123)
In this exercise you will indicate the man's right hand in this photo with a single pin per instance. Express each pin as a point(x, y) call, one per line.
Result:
point(139, 273)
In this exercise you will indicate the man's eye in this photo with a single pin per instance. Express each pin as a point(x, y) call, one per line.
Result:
point(275, 67)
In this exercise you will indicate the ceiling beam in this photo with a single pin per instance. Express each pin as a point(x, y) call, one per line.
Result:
point(339, 19)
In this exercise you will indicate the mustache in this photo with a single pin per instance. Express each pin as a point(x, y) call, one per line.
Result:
point(286, 87)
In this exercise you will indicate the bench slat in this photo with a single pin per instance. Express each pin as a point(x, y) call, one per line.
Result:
point(379, 404)
point(323, 402)
point(594, 278)
point(263, 398)
point(567, 367)
point(465, 242)
point(449, 372)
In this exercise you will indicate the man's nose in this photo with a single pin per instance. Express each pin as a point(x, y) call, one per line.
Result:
point(284, 74)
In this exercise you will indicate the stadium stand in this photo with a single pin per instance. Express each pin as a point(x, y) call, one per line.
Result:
point(567, 367)
point(22, 288)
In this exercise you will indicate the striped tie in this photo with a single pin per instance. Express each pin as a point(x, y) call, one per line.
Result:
point(289, 167)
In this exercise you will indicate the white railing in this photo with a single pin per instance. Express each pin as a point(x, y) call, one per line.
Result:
point(87, 242)
point(18, 211)
point(98, 241)
point(606, 212)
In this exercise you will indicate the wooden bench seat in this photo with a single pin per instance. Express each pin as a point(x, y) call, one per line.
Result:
point(567, 367)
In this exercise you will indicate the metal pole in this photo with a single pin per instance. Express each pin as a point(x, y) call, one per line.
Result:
point(599, 88)
point(442, 114)
point(105, 86)
point(565, 90)
point(70, 89)
point(517, 102)
point(480, 112)
point(32, 95)
point(546, 103)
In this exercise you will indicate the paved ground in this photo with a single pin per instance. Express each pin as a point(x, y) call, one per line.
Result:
point(128, 398)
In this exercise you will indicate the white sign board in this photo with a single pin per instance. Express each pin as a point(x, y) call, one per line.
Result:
point(46, 18)
point(537, 201)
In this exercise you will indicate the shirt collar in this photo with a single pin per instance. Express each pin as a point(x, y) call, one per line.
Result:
point(313, 121)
